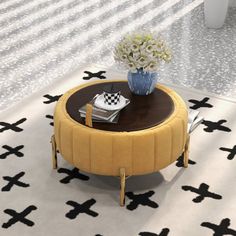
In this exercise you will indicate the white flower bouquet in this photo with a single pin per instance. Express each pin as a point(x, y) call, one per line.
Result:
point(141, 51)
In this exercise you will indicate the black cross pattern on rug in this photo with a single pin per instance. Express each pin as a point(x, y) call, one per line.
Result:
point(202, 192)
point(232, 152)
point(81, 208)
point(201, 103)
point(221, 229)
point(140, 199)
point(180, 161)
point(164, 232)
point(211, 126)
point(13, 126)
point(19, 217)
point(51, 98)
point(91, 75)
point(71, 174)
point(12, 151)
point(51, 118)
point(14, 181)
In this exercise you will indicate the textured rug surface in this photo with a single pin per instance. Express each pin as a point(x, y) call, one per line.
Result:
point(37, 200)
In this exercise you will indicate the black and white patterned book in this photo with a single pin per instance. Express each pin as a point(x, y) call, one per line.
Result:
point(101, 113)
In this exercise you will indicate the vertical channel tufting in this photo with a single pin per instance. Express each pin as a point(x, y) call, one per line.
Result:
point(66, 139)
point(132, 154)
point(158, 150)
point(139, 152)
point(59, 135)
point(171, 143)
point(75, 146)
point(155, 150)
point(143, 146)
point(82, 148)
point(163, 150)
point(101, 156)
point(170, 138)
point(56, 129)
point(112, 156)
point(89, 154)
point(121, 153)
point(178, 138)
point(72, 145)
point(183, 133)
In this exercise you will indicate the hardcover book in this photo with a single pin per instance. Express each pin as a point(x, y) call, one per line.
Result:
point(194, 120)
point(112, 120)
point(100, 113)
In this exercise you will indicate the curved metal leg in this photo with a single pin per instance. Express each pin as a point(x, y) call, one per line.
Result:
point(122, 186)
point(186, 151)
point(54, 152)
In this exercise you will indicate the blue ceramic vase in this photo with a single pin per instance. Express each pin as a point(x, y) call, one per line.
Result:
point(142, 82)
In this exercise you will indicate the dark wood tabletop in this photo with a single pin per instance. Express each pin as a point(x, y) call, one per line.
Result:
point(143, 111)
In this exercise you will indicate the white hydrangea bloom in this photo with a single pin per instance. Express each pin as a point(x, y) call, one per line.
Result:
point(132, 66)
point(142, 51)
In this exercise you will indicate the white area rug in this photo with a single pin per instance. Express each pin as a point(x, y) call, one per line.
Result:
point(37, 200)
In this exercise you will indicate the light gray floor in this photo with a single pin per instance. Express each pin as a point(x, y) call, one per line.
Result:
point(41, 41)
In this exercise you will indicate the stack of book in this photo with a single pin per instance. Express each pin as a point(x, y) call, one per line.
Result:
point(194, 120)
point(102, 114)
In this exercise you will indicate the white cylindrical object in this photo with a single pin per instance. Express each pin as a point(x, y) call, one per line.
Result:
point(232, 3)
point(215, 12)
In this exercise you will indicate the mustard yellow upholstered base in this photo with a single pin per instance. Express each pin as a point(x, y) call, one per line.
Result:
point(135, 153)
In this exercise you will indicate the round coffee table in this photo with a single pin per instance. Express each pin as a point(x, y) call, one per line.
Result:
point(151, 133)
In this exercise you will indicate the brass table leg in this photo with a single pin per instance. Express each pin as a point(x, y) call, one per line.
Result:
point(186, 151)
point(54, 152)
point(122, 186)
